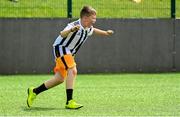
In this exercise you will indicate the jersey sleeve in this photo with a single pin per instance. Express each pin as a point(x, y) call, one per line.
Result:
point(69, 26)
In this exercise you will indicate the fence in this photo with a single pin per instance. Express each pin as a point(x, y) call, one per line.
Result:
point(138, 45)
point(105, 8)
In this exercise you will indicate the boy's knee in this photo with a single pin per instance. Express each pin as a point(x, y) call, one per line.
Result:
point(59, 78)
point(73, 72)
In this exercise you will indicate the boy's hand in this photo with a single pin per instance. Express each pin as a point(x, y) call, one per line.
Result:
point(65, 33)
point(75, 28)
point(110, 32)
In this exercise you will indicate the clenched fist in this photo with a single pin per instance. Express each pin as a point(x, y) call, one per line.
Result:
point(75, 28)
point(110, 32)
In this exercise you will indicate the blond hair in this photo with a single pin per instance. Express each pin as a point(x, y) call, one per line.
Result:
point(87, 11)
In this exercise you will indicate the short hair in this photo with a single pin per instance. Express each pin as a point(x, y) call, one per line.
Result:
point(87, 11)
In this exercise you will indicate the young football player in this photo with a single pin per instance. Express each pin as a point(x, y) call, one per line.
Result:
point(66, 46)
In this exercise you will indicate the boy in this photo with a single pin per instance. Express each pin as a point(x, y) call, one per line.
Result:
point(65, 47)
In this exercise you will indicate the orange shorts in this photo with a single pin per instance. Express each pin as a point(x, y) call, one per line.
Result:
point(63, 64)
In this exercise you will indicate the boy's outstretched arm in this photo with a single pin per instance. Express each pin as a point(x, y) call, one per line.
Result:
point(103, 32)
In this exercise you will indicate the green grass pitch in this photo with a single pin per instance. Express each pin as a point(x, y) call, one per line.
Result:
point(105, 8)
point(101, 95)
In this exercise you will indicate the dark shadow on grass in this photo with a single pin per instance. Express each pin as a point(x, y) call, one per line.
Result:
point(40, 109)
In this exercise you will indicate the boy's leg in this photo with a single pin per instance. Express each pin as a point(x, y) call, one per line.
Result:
point(56, 80)
point(33, 92)
point(70, 81)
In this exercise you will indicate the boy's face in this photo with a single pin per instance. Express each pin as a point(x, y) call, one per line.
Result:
point(89, 21)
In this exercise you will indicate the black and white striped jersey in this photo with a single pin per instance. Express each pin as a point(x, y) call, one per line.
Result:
point(75, 39)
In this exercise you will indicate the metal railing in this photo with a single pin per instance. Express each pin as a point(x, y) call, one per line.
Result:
point(105, 8)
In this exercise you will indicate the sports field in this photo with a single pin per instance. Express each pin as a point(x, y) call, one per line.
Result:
point(105, 8)
point(101, 95)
